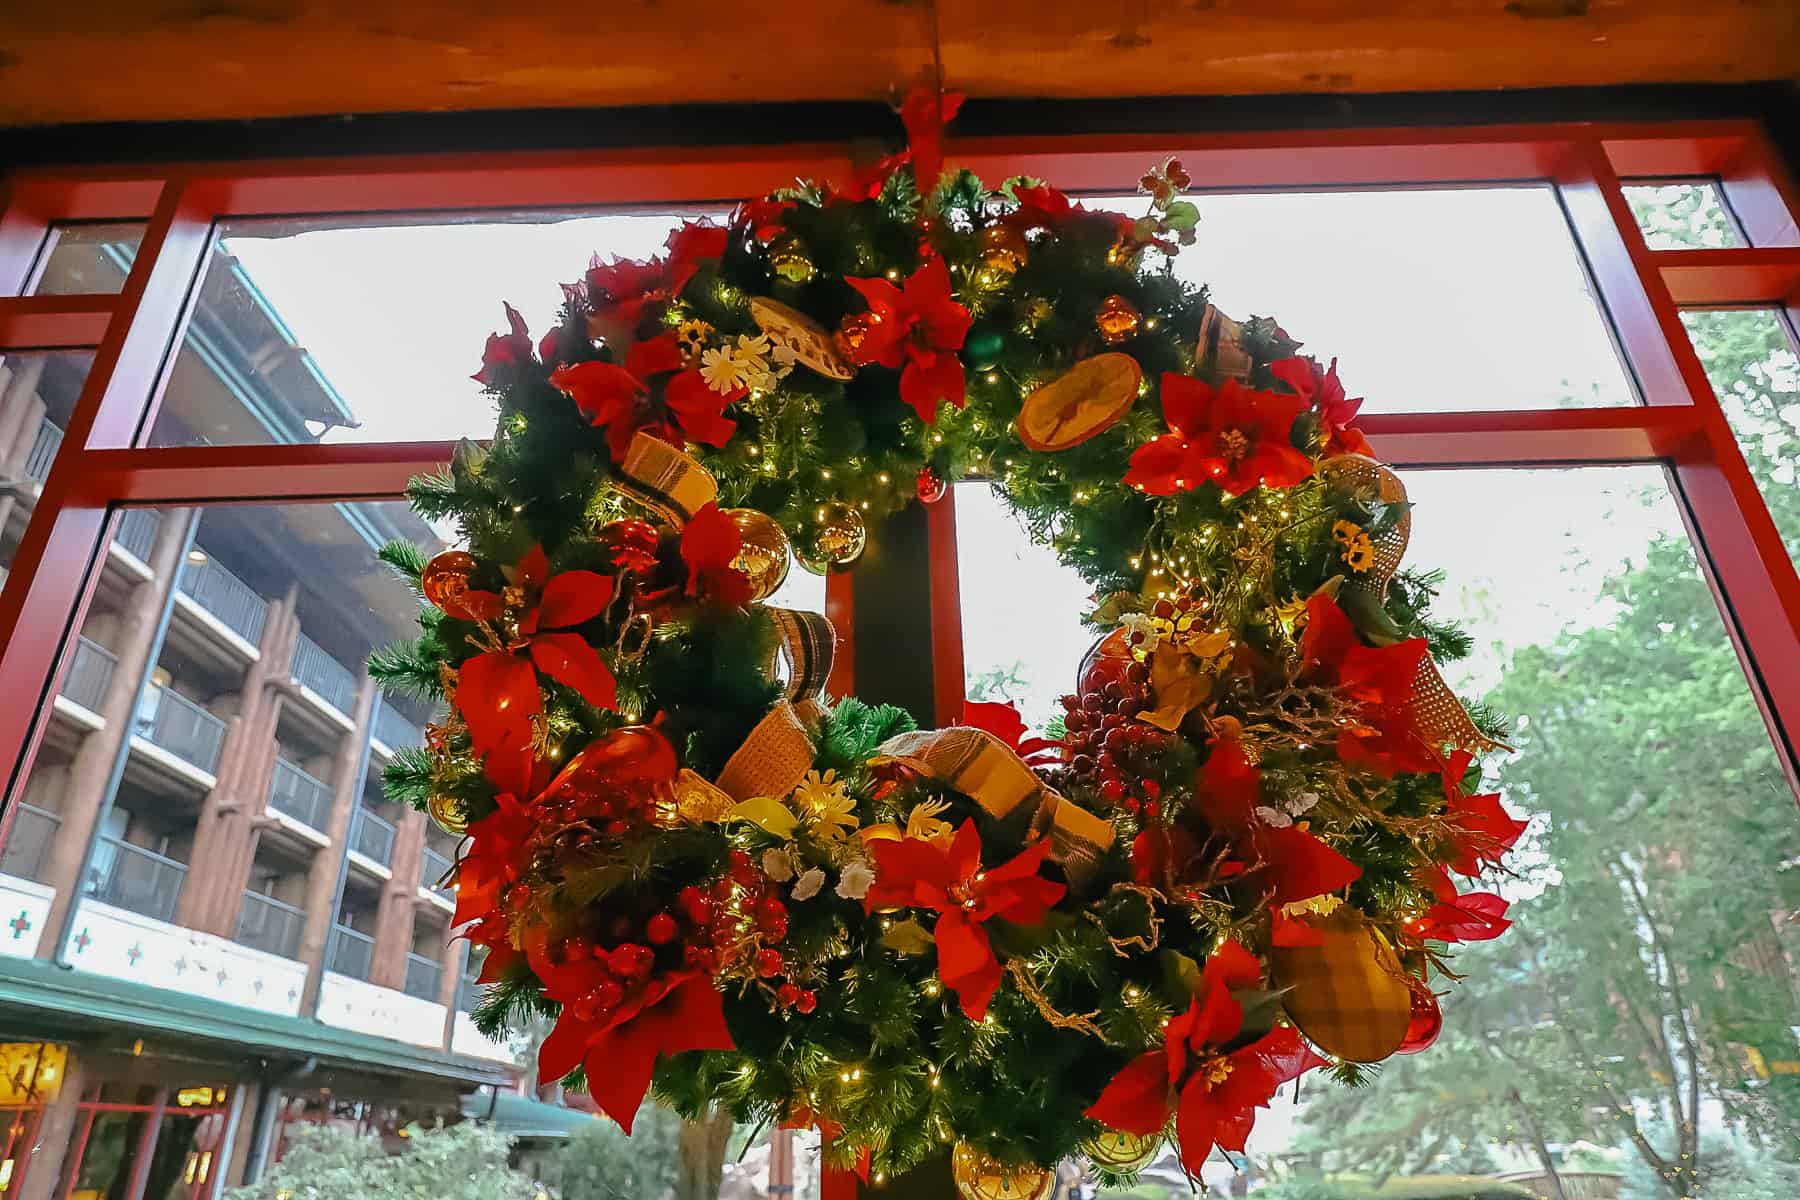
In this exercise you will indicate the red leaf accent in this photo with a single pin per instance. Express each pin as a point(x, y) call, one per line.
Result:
point(497, 694)
point(1137, 1099)
point(568, 659)
point(573, 598)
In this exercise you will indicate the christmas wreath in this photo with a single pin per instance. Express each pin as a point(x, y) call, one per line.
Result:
point(1231, 861)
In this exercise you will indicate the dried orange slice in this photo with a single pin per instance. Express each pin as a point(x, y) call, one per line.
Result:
point(1084, 400)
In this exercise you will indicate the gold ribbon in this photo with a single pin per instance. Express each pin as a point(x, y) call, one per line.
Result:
point(773, 759)
point(666, 480)
point(808, 644)
point(985, 769)
point(1221, 347)
point(1441, 719)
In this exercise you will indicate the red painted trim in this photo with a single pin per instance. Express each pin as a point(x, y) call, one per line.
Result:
point(1762, 193)
point(947, 672)
point(1532, 437)
point(840, 610)
point(54, 322)
point(1746, 276)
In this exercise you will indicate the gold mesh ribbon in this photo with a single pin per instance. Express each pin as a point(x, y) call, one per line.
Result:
point(1439, 715)
point(1221, 347)
point(773, 759)
point(665, 480)
point(985, 769)
point(807, 643)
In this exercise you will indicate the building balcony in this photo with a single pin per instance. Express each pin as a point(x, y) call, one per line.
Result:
point(294, 793)
point(394, 732)
point(226, 598)
point(89, 675)
point(136, 532)
point(138, 880)
point(423, 977)
point(324, 676)
point(27, 844)
point(373, 838)
point(181, 728)
point(270, 925)
point(43, 450)
point(352, 953)
point(432, 874)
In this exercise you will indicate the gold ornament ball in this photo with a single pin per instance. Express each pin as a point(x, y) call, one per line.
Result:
point(835, 539)
point(1003, 252)
point(979, 1177)
point(446, 578)
point(1116, 1150)
point(789, 259)
point(764, 553)
point(449, 814)
point(1117, 320)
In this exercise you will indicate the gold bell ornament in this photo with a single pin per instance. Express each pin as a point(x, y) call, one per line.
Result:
point(1117, 320)
point(763, 555)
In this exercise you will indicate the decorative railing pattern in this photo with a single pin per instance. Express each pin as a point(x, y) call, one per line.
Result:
point(394, 731)
point(128, 876)
point(299, 795)
point(183, 728)
point(226, 597)
point(272, 925)
point(352, 953)
point(372, 837)
point(43, 450)
point(28, 841)
point(434, 869)
point(137, 530)
point(90, 673)
point(329, 679)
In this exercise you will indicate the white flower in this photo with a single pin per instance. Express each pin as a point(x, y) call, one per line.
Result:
point(785, 357)
point(1140, 623)
point(1284, 816)
point(854, 883)
point(777, 865)
point(1273, 816)
point(723, 370)
point(809, 883)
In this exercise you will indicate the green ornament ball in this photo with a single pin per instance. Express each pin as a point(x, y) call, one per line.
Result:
point(983, 347)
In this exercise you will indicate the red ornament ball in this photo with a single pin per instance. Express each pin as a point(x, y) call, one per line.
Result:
point(806, 1001)
point(630, 960)
point(931, 486)
point(768, 963)
point(631, 544)
point(787, 994)
point(1427, 1022)
point(661, 929)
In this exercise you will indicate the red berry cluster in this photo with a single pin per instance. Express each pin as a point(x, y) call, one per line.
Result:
point(1105, 747)
point(756, 904)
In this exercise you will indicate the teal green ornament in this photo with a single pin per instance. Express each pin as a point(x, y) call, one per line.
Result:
point(983, 347)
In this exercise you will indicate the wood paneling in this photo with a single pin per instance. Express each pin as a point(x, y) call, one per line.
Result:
point(131, 60)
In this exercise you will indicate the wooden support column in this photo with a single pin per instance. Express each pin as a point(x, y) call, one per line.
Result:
point(44, 1161)
point(327, 867)
point(399, 899)
point(891, 589)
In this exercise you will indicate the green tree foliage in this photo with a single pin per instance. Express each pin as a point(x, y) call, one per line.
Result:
point(601, 1163)
point(458, 1162)
point(1646, 982)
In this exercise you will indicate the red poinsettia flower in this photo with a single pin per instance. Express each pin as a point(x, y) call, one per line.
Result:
point(1325, 394)
point(1292, 863)
point(491, 863)
point(1005, 723)
point(619, 291)
point(709, 545)
point(1212, 1093)
point(919, 329)
point(1485, 830)
point(505, 353)
point(1471, 917)
point(620, 398)
point(761, 217)
point(1229, 435)
point(914, 873)
point(672, 1013)
point(497, 691)
point(1042, 206)
point(1380, 679)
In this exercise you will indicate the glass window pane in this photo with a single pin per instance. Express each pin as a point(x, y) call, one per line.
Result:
point(224, 660)
point(1749, 357)
point(367, 329)
point(90, 257)
point(1436, 301)
point(1688, 215)
point(38, 390)
point(1654, 886)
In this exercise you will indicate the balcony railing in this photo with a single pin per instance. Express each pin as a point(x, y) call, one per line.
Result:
point(269, 924)
point(43, 450)
point(469, 994)
point(351, 952)
point(372, 837)
point(128, 876)
point(299, 795)
point(394, 731)
point(226, 597)
point(136, 531)
point(181, 727)
point(90, 673)
point(28, 841)
point(325, 675)
point(431, 874)
point(423, 977)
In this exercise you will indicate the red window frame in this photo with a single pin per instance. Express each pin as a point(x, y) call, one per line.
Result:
point(1680, 425)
